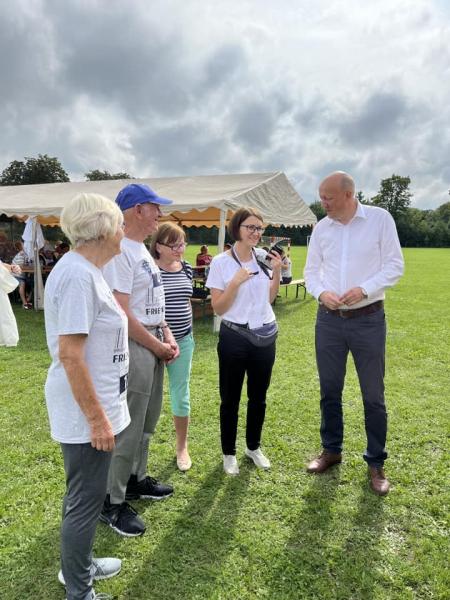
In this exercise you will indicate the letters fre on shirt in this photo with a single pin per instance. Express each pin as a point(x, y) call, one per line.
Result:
point(79, 301)
point(135, 273)
point(363, 253)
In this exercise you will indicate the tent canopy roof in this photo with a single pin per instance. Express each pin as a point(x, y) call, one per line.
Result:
point(196, 200)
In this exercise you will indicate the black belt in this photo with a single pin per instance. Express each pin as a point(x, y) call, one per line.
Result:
point(352, 313)
point(235, 326)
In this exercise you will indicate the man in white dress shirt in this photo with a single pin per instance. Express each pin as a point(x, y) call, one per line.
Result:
point(353, 256)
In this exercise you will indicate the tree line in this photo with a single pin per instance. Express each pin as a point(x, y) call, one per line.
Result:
point(417, 228)
point(420, 228)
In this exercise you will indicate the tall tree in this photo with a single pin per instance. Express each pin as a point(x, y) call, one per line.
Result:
point(394, 195)
point(318, 210)
point(43, 169)
point(97, 175)
point(443, 212)
point(361, 198)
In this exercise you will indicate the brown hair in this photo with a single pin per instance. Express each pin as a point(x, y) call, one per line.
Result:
point(167, 233)
point(238, 218)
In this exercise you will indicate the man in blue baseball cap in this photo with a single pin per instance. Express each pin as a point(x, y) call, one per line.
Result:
point(138, 193)
point(137, 286)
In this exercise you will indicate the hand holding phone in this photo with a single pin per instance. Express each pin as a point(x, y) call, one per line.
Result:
point(267, 259)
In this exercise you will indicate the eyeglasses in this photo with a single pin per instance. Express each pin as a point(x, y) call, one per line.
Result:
point(254, 229)
point(175, 247)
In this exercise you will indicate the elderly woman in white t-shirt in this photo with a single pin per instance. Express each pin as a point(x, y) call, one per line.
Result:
point(242, 290)
point(86, 384)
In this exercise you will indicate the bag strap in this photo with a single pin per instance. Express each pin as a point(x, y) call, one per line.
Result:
point(185, 269)
point(263, 267)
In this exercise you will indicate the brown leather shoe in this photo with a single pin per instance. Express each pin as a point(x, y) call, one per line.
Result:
point(324, 461)
point(378, 482)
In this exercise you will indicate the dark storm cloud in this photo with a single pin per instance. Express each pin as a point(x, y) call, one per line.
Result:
point(377, 121)
point(225, 64)
point(254, 123)
point(124, 56)
point(183, 149)
point(312, 113)
point(169, 87)
point(28, 66)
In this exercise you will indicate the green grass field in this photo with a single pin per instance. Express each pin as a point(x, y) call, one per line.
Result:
point(281, 534)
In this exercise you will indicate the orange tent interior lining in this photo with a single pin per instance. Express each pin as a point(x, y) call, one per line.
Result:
point(196, 218)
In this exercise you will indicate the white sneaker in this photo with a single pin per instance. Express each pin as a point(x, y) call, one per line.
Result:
point(258, 458)
point(230, 465)
point(101, 568)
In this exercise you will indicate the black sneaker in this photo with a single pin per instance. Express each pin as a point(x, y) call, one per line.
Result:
point(122, 518)
point(147, 489)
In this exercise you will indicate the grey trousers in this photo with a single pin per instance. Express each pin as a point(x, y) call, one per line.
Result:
point(86, 478)
point(144, 397)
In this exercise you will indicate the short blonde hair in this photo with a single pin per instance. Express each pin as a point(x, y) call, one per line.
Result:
point(89, 217)
point(167, 233)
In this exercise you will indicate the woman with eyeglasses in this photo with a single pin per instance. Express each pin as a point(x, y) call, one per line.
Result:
point(167, 248)
point(242, 291)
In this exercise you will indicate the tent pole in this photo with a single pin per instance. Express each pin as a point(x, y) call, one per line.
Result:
point(220, 245)
point(221, 240)
point(38, 291)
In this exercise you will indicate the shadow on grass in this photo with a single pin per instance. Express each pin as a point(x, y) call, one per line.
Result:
point(319, 560)
point(357, 567)
point(187, 561)
point(295, 573)
point(166, 472)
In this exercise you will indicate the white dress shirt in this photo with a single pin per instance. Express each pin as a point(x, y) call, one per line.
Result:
point(363, 253)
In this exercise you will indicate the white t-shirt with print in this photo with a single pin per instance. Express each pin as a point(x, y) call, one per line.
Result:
point(252, 302)
point(79, 301)
point(134, 272)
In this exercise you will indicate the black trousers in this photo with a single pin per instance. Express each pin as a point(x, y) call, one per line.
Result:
point(365, 338)
point(237, 357)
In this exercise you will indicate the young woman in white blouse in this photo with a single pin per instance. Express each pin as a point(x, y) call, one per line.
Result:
point(242, 290)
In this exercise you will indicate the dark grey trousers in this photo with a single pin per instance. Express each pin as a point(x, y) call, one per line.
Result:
point(86, 479)
point(365, 338)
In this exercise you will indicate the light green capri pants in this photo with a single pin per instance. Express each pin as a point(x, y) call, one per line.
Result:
point(179, 376)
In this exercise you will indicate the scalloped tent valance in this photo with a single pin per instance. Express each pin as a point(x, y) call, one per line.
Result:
point(199, 200)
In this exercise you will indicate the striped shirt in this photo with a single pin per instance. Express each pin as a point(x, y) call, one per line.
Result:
point(178, 292)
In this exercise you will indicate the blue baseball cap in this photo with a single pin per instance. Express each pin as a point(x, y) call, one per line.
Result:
point(138, 193)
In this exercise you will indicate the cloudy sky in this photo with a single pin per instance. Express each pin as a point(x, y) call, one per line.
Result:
point(177, 87)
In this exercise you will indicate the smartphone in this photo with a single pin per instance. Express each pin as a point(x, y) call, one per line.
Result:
point(267, 259)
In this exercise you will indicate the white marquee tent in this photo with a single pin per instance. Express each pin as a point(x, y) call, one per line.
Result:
point(197, 200)
point(202, 200)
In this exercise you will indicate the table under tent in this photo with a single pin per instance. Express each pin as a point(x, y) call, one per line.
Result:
point(206, 200)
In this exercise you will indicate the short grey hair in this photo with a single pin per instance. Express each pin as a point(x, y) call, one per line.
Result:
point(90, 217)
